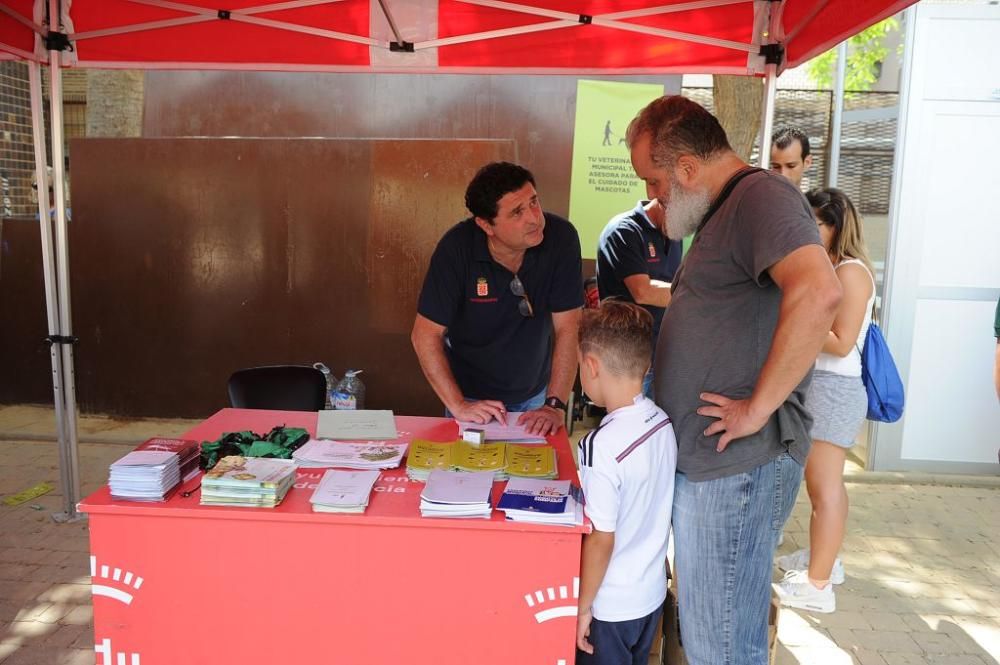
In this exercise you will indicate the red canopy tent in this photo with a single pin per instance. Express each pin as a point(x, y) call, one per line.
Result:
point(567, 36)
point(749, 37)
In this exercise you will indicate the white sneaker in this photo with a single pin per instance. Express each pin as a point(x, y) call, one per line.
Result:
point(800, 561)
point(795, 590)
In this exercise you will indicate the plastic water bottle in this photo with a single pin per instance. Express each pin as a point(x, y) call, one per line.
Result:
point(350, 392)
point(331, 381)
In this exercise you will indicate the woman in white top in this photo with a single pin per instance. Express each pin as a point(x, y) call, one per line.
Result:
point(838, 404)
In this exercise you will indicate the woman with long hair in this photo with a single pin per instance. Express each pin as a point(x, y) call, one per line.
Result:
point(838, 404)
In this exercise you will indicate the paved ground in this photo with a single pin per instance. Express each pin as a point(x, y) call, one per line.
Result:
point(923, 562)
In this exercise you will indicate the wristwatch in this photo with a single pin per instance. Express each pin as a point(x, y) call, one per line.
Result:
point(555, 403)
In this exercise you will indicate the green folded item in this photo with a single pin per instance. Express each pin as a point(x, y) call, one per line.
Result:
point(279, 443)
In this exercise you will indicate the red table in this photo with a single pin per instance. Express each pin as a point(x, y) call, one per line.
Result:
point(177, 583)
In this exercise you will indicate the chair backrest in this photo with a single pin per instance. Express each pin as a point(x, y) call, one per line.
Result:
point(280, 387)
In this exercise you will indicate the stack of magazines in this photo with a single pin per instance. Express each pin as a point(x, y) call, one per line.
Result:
point(425, 456)
point(531, 461)
point(187, 452)
point(539, 501)
point(259, 482)
point(344, 491)
point(145, 475)
point(490, 457)
point(451, 494)
point(323, 454)
point(495, 431)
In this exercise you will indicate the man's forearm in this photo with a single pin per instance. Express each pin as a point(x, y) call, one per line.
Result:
point(564, 358)
point(646, 291)
point(434, 363)
point(803, 326)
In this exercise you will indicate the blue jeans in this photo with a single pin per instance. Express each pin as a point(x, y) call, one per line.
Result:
point(725, 533)
point(621, 642)
point(647, 380)
point(529, 404)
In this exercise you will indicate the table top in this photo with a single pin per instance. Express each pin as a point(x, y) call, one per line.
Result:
point(395, 500)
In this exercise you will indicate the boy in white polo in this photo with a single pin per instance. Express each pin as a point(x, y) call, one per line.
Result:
point(627, 472)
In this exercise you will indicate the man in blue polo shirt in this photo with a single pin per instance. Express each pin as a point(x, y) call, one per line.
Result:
point(498, 313)
point(636, 262)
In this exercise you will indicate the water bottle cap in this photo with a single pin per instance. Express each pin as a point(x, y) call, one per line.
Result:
point(321, 367)
point(353, 372)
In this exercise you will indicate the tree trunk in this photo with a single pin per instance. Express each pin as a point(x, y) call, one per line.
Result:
point(115, 101)
point(738, 102)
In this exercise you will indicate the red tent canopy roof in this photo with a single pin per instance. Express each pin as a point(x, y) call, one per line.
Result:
point(568, 36)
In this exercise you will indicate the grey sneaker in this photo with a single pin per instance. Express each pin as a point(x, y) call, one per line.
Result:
point(795, 590)
point(799, 560)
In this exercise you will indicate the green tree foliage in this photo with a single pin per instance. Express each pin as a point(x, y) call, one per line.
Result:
point(866, 52)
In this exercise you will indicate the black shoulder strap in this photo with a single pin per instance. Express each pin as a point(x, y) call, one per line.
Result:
point(724, 194)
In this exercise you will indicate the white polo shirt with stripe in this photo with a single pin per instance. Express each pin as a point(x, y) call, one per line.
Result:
point(627, 470)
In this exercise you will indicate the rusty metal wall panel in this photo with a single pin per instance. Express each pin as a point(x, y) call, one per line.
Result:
point(195, 257)
point(536, 112)
point(25, 365)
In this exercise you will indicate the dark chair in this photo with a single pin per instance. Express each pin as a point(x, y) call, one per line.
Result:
point(279, 387)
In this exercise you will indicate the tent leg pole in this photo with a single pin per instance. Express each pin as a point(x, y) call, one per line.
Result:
point(48, 268)
point(837, 120)
point(70, 454)
point(767, 116)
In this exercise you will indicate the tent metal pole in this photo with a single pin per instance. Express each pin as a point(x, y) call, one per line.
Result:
point(767, 115)
point(49, 271)
point(837, 119)
point(392, 21)
point(72, 473)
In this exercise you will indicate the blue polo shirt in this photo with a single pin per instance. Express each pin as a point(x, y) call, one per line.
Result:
point(494, 352)
point(631, 245)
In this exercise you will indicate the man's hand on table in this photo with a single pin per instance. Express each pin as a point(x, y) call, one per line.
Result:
point(482, 412)
point(543, 421)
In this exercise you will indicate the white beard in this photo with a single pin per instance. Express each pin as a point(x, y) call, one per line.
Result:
point(684, 211)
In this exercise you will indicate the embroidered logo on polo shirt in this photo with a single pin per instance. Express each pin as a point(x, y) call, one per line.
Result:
point(652, 250)
point(482, 287)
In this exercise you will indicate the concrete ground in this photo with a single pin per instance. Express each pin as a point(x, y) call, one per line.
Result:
point(922, 559)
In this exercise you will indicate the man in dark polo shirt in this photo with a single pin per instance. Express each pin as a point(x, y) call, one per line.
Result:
point(750, 308)
point(498, 313)
point(636, 263)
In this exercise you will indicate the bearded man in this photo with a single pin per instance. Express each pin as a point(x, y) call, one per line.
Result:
point(750, 307)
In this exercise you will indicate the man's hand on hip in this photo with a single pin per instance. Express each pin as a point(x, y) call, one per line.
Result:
point(481, 412)
point(543, 421)
point(736, 418)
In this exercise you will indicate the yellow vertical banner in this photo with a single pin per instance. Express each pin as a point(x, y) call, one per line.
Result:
point(603, 183)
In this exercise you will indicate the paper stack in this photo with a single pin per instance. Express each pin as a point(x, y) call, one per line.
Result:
point(450, 494)
point(322, 454)
point(145, 475)
point(186, 449)
point(538, 501)
point(356, 425)
point(486, 457)
point(425, 456)
point(247, 481)
point(498, 432)
point(344, 491)
point(531, 461)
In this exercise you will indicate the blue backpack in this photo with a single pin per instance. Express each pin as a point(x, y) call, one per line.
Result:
point(881, 378)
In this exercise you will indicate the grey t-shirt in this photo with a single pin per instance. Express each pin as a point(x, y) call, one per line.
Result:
point(717, 331)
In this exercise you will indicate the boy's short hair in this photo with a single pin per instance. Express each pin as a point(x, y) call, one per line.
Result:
point(620, 334)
